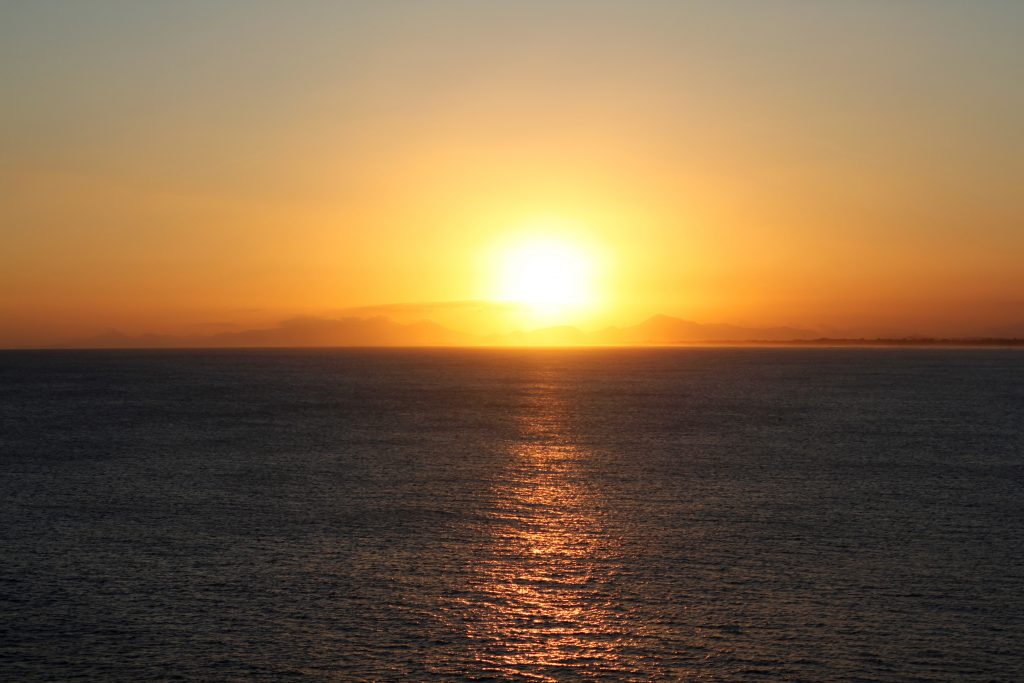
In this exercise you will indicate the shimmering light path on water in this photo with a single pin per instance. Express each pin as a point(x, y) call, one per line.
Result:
point(547, 605)
point(762, 514)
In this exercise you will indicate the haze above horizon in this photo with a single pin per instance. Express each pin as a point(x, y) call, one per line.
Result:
point(186, 169)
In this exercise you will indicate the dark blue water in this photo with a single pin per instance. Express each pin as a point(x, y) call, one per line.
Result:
point(673, 514)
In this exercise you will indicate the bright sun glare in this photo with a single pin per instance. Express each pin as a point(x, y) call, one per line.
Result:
point(548, 275)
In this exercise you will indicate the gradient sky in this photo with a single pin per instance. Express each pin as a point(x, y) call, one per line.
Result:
point(179, 166)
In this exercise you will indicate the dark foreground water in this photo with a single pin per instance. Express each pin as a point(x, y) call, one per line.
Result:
point(674, 514)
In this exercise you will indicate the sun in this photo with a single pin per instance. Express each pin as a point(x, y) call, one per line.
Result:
point(547, 274)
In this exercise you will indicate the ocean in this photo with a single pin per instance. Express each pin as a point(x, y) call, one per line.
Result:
point(750, 514)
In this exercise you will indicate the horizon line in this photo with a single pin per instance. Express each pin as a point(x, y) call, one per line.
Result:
point(922, 342)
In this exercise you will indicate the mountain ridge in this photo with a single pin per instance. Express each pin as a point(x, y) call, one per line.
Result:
point(382, 331)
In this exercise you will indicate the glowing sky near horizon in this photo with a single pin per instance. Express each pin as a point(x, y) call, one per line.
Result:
point(174, 166)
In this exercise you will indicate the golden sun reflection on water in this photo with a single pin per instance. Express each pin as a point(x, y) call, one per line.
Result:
point(544, 585)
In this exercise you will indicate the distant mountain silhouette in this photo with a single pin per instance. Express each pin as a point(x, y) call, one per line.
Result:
point(296, 332)
point(375, 331)
point(664, 329)
point(379, 330)
point(563, 335)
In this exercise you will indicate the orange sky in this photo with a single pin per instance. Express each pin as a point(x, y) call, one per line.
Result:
point(849, 167)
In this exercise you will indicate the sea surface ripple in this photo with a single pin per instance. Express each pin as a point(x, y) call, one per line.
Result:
point(520, 515)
